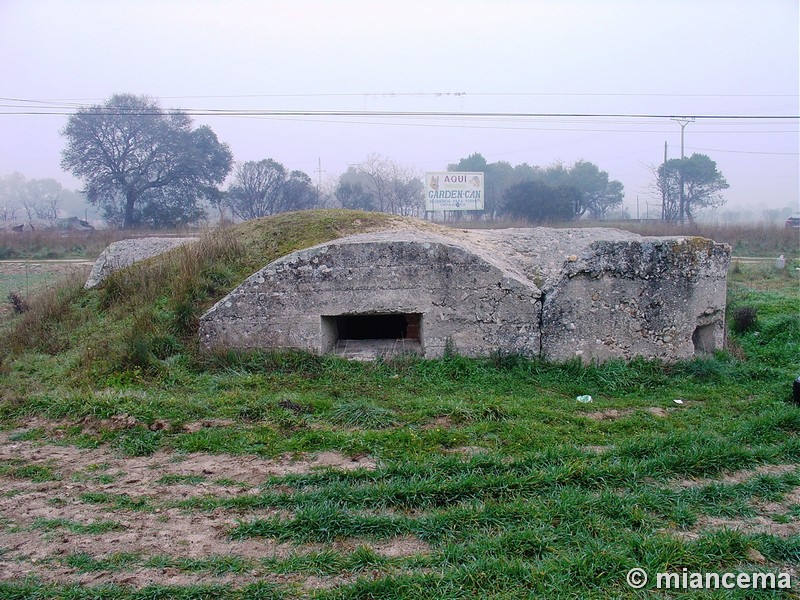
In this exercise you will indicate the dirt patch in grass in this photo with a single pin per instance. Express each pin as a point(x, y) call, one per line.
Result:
point(749, 525)
point(618, 413)
point(443, 422)
point(101, 505)
point(252, 470)
point(401, 546)
point(396, 547)
point(735, 477)
point(609, 414)
point(467, 451)
point(774, 518)
point(596, 449)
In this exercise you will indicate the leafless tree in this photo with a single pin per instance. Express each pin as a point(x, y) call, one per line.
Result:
point(42, 199)
point(407, 193)
point(379, 168)
point(13, 189)
point(8, 212)
point(383, 185)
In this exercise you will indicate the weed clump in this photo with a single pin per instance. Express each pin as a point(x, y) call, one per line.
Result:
point(18, 303)
point(138, 442)
point(363, 414)
point(744, 319)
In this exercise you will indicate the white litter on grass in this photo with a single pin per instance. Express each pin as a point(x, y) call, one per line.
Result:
point(678, 401)
point(585, 399)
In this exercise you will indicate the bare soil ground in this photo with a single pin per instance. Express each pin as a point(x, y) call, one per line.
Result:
point(42, 522)
point(767, 517)
point(613, 413)
point(97, 504)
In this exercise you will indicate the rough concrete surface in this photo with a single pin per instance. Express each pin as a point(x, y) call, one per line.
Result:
point(126, 252)
point(595, 294)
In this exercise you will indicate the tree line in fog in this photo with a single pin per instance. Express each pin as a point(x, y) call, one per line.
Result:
point(143, 166)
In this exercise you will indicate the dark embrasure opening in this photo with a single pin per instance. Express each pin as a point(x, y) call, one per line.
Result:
point(376, 327)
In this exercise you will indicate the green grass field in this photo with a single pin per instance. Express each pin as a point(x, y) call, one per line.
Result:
point(28, 279)
point(289, 475)
point(20, 282)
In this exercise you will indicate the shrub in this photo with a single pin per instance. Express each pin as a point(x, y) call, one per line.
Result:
point(18, 303)
point(744, 318)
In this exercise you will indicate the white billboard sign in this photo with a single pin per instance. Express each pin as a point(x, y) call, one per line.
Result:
point(453, 190)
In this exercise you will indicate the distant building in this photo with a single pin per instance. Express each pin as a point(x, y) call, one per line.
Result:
point(66, 225)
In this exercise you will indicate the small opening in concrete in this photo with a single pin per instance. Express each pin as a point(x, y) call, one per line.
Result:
point(703, 339)
point(367, 336)
point(378, 327)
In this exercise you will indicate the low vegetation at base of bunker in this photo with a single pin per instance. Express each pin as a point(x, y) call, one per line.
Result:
point(132, 466)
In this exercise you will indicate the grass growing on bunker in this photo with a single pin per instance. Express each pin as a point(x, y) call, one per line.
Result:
point(132, 467)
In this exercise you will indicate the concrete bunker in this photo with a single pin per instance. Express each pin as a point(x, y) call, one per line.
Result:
point(124, 253)
point(595, 294)
point(381, 294)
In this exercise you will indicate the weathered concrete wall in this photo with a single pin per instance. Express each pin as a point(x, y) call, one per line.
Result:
point(656, 299)
point(126, 252)
point(595, 294)
point(463, 298)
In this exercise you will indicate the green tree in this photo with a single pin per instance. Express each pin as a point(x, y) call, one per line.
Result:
point(497, 178)
point(701, 183)
point(299, 192)
point(352, 195)
point(139, 162)
point(598, 194)
point(168, 208)
point(538, 202)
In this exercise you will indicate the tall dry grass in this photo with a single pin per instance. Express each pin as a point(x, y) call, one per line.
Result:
point(49, 317)
point(149, 307)
point(174, 273)
point(161, 299)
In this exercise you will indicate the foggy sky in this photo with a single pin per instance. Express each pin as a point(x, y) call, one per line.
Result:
point(701, 57)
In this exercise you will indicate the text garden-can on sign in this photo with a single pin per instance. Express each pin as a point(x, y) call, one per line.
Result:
point(453, 190)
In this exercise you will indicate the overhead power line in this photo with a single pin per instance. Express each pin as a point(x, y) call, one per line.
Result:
point(422, 94)
point(385, 114)
point(747, 152)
